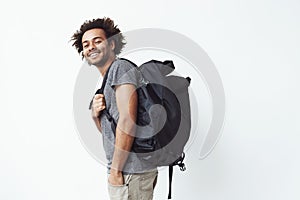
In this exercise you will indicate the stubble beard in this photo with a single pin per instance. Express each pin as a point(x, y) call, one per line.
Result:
point(99, 63)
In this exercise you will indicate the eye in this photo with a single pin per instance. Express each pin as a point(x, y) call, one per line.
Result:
point(98, 41)
point(85, 46)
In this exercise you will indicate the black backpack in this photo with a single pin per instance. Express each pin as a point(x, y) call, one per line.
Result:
point(168, 125)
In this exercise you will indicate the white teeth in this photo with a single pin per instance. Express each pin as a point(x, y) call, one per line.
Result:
point(93, 55)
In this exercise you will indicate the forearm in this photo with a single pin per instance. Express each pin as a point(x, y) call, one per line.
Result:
point(98, 105)
point(124, 139)
point(97, 123)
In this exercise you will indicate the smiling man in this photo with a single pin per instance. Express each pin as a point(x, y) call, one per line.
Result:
point(100, 41)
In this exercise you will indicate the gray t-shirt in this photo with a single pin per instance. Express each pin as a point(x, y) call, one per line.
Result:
point(121, 72)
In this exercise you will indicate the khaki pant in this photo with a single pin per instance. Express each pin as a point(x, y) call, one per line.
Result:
point(136, 187)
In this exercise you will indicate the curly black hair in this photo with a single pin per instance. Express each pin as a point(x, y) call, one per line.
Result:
point(109, 28)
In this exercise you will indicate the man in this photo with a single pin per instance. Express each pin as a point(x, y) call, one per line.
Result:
point(100, 41)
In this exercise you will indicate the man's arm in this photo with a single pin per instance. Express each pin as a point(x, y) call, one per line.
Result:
point(126, 99)
point(97, 106)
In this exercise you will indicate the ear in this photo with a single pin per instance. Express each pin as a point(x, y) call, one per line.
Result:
point(112, 45)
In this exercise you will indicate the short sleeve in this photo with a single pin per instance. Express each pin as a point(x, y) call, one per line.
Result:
point(123, 72)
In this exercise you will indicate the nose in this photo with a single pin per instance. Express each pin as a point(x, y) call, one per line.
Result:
point(91, 46)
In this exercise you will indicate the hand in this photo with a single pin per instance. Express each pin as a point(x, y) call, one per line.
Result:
point(116, 178)
point(98, 105)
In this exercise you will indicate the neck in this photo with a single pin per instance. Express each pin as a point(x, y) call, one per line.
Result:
point(103, 68)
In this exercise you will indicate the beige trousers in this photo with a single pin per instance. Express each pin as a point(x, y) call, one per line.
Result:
point(136, 187)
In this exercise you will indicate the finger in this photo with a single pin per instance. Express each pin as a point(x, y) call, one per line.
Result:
point(98, 103)
point(98, 110)
point(97, 106)
point(102, 100)
point(101, 108)
point(98, 96)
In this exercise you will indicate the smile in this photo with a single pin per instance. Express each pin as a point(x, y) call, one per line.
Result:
point(94, 54)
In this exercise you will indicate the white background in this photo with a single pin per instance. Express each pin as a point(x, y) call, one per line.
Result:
point(254, 45)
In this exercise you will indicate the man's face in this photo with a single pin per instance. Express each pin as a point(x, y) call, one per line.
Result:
point(96, 48)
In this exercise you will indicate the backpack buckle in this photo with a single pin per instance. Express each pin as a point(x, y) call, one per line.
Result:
point(182, 166)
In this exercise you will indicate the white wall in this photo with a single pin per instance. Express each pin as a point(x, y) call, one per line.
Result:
point(254, 45)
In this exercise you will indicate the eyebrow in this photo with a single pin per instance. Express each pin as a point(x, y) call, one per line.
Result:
point(97, 37)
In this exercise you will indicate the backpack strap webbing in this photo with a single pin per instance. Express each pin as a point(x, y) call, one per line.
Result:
point(181, 165)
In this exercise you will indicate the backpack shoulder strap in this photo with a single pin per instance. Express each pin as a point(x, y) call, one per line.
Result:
point(129, 61)
point(101, 89)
